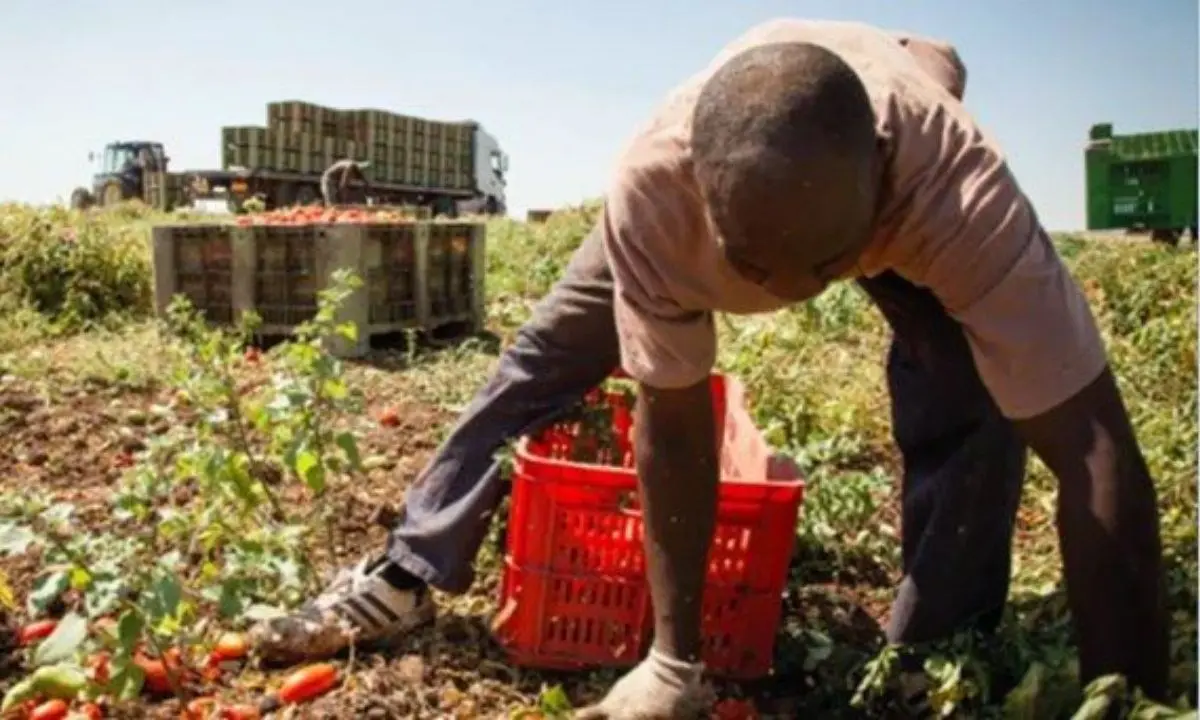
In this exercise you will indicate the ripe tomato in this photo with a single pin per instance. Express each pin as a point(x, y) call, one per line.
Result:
point(35, 631)
point(389, 417)
point(730, 709)
point(200, 708)
point(91, 711)
point(231, 646)
point(307, 683)
point(49, 710)
point(155, 671)
point(98, 664)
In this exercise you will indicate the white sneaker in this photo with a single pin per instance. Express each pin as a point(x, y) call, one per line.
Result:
point(359, 607)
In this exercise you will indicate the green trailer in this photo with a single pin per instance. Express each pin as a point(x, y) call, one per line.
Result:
point(1142, 183)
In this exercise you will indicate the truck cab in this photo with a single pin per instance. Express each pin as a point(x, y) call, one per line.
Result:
point(491, 167)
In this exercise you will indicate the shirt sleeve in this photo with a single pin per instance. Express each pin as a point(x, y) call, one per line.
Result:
point(1031, 331)
point(663, 345)
point(940, 60)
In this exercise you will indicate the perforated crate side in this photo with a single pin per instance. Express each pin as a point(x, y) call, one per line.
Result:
point(394, 261)
point(573, 592)
point(196, 261)
point(285, 274)
point(456, 273)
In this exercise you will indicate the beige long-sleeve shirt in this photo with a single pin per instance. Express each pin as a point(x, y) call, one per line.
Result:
point(954, 220)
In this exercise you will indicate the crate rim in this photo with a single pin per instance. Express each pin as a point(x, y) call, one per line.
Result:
point(611, 475)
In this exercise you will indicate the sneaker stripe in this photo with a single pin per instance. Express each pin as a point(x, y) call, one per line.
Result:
point(367, 620)
point(382, 607)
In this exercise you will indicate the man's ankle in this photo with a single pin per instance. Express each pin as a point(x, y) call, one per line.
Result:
point(400, 578)
point(680, 670)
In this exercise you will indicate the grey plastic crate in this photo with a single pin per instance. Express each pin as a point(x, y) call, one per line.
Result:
point(420, 275)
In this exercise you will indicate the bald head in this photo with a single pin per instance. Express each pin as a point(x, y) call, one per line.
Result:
point(784, 150)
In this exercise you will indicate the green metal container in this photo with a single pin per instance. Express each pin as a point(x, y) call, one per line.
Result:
point(1145, 181)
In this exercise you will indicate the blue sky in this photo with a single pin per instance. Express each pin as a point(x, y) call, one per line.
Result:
point(561, 84)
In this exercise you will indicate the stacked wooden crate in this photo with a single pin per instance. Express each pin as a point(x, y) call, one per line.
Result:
point(417, 274)
point(163, 190)
point(302, 137)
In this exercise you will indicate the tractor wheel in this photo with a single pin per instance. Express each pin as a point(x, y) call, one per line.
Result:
point(112, 194)
point(81, 199)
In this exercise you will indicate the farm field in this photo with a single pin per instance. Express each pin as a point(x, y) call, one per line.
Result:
point(152, 478)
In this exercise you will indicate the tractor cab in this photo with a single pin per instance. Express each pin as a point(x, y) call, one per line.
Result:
point(122, 170)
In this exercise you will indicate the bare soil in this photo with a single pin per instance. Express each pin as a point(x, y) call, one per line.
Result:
point(70, 443)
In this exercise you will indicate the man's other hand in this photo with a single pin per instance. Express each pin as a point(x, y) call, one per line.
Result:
point(660, 688)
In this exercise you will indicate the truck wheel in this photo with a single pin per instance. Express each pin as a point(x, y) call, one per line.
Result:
point(444, 207)
point(306, 195)
point(112, 194)
point(1165, 236)
point(284, 195)
point(491, 207)
point(81, 199)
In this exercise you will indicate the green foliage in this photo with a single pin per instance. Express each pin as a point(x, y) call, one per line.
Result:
point(203, 532)
point(815, 378)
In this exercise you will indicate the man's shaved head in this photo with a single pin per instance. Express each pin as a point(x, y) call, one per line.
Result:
point(785, 154)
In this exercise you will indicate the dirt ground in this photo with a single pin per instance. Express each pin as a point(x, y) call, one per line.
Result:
point(70, 442)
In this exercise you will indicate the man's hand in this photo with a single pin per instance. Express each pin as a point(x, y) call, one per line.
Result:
point(658, 688)
point(675, 447)
point(1108, 530)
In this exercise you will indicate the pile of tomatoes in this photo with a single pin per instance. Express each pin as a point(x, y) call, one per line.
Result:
point(162, 673)
point(321, 215)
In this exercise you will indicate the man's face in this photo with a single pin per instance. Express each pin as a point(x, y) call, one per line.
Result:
point(795, 251)
point(788, 280)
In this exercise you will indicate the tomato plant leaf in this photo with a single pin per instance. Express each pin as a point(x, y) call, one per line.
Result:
point(165, 595)
point(8, 598)
point(63, 682)
point(15, 539)
point(335, 389)
point(126, 679)
point(258, 613)
point(129, 628)
point(58, 514)
point(103, 595)
point(349, 445)
point(17, 694)
point(308, 467)
point(1022, 701)
point(231, 600)
point(46, 590)
point(64, 642)
point(554, 701)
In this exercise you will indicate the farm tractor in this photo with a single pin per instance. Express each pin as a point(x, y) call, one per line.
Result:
point(123, 173)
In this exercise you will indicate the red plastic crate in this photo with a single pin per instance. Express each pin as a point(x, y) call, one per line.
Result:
point(574, 593)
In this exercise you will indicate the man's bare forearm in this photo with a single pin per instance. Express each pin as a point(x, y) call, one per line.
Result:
point(1109, 531)
point(676, 454)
